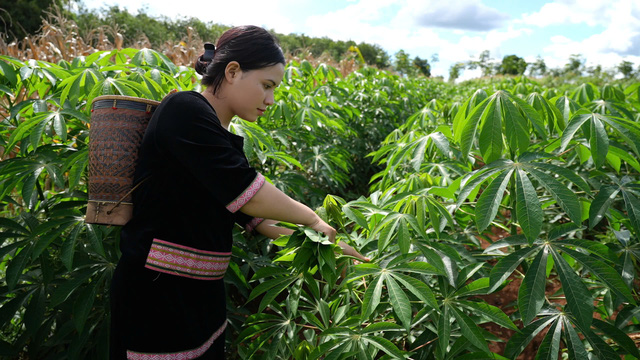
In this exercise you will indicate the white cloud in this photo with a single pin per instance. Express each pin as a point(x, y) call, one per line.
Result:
point(569, 11)
point(221, 12)
point(426, 27)
point(466, 15)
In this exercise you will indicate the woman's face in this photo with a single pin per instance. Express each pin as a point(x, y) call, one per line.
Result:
point(252, 91)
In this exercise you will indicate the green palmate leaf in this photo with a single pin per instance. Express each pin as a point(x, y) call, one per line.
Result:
point(372, 296)
point(520, 340)
point(594, 247)
point(528, 208)
point(480, 356)
point(490, 140)
point(418, 154)
point(624, 155)
point(628, 269)
point(255, 329)
point(442, 263)
point(8, 72)
point(17, 266)
point(626, 315)
point(550, 345)
point(516, 127)
point(470, 330)
point(93, 234)
point(459, 120)
point(384, 345)
point(492, 313)
point(325, 312)
point(490, 200)
point(604, 272)
point(82, 306)
point(469, 127)
point(531, 114)
point(600, 347)
point(482, 175)
point(418, 267)
point(399, 301)
point(387, 229)
point(34, 312)
point(565, 173)
point(269, 284)
point(356, 216)
point(10, 307)
point(601, 203)
point(632, 205)
point(626, 129)
point(273, 292)
point(579, 299)
point(507, 265)
point(514, 240)
point(574, 344)
point(444, 329)
point(417, 288)
point(380, 327)
point(598, 141)
point(564, 197)
point(476, 287)
point(68, 287)
point(618, 336)
point(7, 223)
point(574, 125)
point(337, 352)
point(404, 240)
point(466, 273)
point(531, 294)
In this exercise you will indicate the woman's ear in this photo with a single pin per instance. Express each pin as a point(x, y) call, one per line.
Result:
point(232, 71)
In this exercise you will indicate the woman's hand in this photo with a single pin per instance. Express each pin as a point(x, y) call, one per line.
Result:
point(349, 250)
point(323, 228)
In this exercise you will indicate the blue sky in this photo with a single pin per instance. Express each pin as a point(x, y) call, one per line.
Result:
point(605, 32)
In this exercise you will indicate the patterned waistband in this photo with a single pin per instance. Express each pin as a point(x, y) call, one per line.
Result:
point(181, 355)
point(185, 261)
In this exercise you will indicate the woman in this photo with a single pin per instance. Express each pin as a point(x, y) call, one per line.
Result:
point(168, 298)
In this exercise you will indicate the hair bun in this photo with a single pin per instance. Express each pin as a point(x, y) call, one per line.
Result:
point(205, 59)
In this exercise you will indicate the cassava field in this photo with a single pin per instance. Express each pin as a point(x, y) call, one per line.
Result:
point(502, 216)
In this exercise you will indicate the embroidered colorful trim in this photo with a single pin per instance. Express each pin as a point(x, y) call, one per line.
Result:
point(248, 193)
point(253, 223)
point(183, 355)
point(185, 261)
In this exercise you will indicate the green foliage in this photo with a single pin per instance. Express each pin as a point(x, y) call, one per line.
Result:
point(22, 18)
point(512, 65)
point(421, 173)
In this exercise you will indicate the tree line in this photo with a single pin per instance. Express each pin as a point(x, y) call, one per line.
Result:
point(515, 65)
point(19, 22)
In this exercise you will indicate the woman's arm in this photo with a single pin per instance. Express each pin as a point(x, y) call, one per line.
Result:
point(269, 229)
point(271, 203)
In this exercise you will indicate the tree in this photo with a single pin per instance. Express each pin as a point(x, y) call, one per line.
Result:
point(402, 63)
point(483, 62)
point(575, 65)
point(455, 71)
point(538, 68)
point(512, 65)
point(595, 71)
point(22, 17)
point(423, 66)
point(374, 55)
point(626, 69)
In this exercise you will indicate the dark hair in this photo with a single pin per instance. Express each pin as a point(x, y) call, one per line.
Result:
point(251, 46)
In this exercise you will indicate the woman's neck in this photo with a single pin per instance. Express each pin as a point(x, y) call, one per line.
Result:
point(224, 114)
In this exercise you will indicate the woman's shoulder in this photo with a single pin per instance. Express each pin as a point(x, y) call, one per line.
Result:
point(186, 100)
